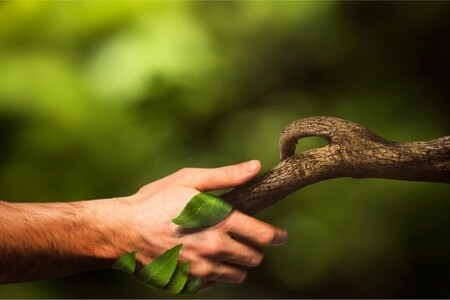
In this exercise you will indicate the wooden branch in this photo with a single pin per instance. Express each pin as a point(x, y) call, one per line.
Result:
point(353, 151)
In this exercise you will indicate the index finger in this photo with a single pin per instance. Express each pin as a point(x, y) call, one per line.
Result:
point(253, 230)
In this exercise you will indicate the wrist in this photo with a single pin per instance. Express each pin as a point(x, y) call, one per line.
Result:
point(107, 231)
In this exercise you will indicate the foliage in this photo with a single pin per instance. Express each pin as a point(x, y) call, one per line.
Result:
point(126, 263)
point(193, 286)
point(162, 273)
point(203, 210)
point(157, 274)
point(179, 278)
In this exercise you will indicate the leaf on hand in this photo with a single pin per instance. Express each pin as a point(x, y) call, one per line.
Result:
point(203, 210)
point(126, 263)
point(192, 286)
point(179, 278)
point(157, 274)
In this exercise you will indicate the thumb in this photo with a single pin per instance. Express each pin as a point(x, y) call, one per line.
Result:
point(219, 178)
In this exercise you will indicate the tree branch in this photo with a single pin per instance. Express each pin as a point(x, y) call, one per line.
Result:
point(353, 151)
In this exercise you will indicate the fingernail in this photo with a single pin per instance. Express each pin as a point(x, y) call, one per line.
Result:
point(282, 238)
point(251, 166)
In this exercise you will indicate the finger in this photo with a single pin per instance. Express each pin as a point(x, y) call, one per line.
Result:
point(218, 178)
point(238, 253)
point(216, 271)
point(229, 274)
point(253, 230)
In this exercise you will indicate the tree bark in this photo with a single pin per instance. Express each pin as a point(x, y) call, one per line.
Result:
point(353, 151)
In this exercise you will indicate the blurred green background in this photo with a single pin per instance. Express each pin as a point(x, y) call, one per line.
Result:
point(100, 98)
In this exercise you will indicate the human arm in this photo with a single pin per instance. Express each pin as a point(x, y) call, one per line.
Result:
point(48, 240)
point(39, 241)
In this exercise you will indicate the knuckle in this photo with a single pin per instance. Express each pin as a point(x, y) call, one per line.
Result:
point(257, 259)
point(184, 172)
point(207, 250)
point(226, 173)
point(203, 270)
point(269, 237)
point(212, 248)
point(232, 220)
point(240, 278)
point(144, 189)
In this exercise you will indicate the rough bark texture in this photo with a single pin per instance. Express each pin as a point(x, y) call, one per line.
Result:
point(353, 151)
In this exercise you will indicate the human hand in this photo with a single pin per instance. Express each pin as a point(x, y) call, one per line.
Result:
point(218, 253)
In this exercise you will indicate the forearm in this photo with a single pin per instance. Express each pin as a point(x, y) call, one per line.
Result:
point(47, 240)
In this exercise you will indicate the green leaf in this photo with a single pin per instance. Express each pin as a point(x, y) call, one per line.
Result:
point(126, 263)
point(179, 278)
point(192, 286)
point(203, 210)
point(157, 274)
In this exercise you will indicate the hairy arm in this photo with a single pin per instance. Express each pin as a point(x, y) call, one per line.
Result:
point(48, 240)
